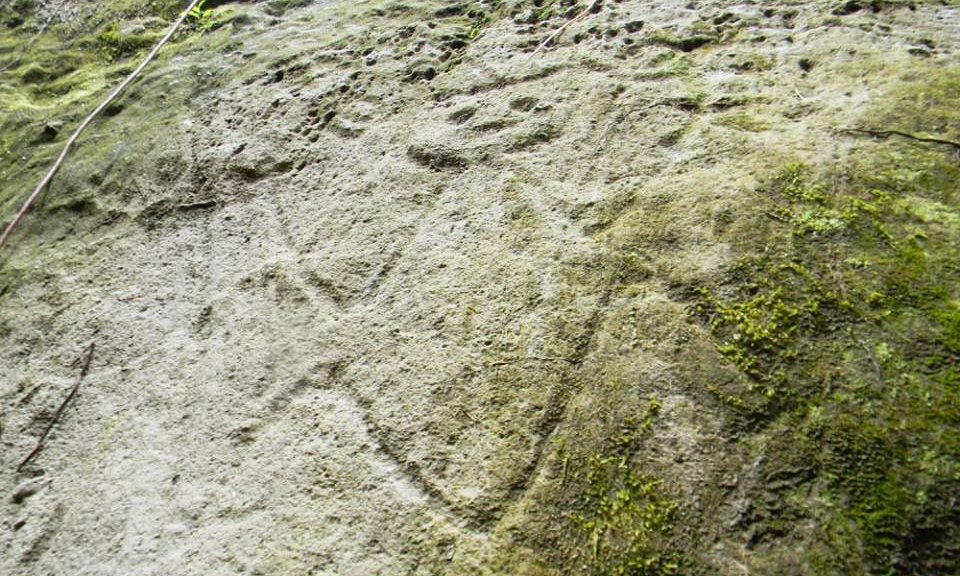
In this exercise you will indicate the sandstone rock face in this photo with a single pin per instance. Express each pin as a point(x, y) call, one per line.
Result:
point(372, 289)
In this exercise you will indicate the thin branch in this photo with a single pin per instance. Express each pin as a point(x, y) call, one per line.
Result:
point(560, 30)
point(63, 405)
point(889, 133)
point(470, 416)
point(86, 121)
point(534, 359)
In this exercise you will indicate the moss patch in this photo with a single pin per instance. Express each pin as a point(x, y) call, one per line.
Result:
point(843, 317)
point(604, 513)
point(624, 515)
point(52, 73)
point(115, 43)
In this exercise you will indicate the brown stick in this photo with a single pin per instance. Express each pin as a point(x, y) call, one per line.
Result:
point(560, 30)
point(63, 405)
point(86, 121)
point(534, 359)
point(889, 133)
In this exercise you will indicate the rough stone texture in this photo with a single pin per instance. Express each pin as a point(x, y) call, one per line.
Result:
point(354, 276)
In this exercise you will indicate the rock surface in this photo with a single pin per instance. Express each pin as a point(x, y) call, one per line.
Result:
point(364, 277)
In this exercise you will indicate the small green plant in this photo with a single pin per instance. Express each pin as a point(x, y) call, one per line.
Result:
point(201, 18)
point(479, 19)
point(624, 517)
point(545, 11)
point(627, 518)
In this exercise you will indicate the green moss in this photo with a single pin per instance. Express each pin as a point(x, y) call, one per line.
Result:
point(623, 516)
point(547, 9)
point(842, 315)
point(628, 515)
point(480, 17)
point(15, 13)
point(49, 78)
point(115, 44)
point(668, 64)
point(697, 36)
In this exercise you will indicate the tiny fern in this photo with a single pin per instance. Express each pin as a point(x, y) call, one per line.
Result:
point(201, 18)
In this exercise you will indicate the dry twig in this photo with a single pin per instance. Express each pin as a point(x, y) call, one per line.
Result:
point(470, 416)
point(63, 405)
point(560, 30)
point(889, 133)
point(533, 359)
point(86, 122)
